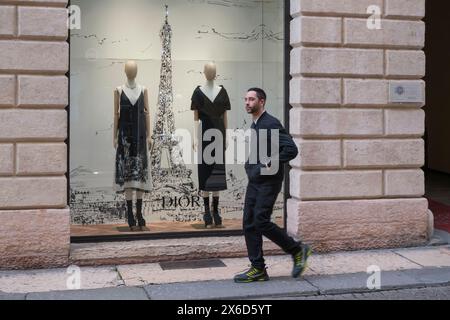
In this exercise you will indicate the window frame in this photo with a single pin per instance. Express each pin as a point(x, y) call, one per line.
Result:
point(207, 233)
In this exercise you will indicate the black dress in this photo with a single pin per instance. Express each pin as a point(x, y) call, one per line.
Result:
point(211, 177)
point(132, 170)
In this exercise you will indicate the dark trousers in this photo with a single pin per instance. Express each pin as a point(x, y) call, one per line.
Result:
point(259, 202)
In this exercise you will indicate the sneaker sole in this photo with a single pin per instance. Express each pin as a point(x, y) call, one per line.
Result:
point(308, 255)
point(251, 281)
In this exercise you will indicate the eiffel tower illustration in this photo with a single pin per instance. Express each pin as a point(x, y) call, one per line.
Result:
point(168, 168)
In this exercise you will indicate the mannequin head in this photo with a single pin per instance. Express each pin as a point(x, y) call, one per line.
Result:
point(210, 71)
point(131, 69)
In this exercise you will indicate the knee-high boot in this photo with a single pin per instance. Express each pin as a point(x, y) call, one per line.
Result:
point(216, 215)
point(207, 218)
point(131, 220)
point(141, 220)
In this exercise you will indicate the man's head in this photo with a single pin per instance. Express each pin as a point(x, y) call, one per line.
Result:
point(255, 101)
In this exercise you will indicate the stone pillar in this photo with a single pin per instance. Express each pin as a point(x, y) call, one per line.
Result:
point(34, 58)
point(357, 183)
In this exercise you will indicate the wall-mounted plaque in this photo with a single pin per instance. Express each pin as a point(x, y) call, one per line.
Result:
point(406, 92)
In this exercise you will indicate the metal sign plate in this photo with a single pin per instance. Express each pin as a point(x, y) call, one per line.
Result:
point(406, 92)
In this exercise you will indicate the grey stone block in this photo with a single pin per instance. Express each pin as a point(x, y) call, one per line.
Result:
point(122, 293)
point(357, 282)
point(435, 293)
point(11, 296)
point(216, 290)
point(408, 294)
point(440, 238)
point(430, 276)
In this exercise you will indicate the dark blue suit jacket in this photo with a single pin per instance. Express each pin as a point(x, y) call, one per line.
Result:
point(286, 150)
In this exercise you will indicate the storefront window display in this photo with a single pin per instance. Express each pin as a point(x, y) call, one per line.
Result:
point(151, 66)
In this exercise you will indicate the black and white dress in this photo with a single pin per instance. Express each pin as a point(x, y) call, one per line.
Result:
point(132, 163)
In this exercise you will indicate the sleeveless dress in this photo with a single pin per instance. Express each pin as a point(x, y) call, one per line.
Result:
point(212, 177)
point(132, 163)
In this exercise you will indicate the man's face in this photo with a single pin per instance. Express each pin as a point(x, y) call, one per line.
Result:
point(252, 103)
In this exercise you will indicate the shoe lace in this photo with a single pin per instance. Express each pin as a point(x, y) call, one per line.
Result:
point(253, 271)
point(298, 258)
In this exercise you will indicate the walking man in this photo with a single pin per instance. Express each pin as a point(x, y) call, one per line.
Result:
point(263, 190)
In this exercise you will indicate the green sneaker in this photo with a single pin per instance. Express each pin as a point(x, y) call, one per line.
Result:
point(301, 261)
point(252, 275)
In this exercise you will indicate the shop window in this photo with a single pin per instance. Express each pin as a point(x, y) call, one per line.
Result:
point(244, 40)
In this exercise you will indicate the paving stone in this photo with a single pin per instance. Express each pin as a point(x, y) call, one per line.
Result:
point(57, 279)
point(147, 274)
point(214, 290)
point(411, 294)
point(428, 257)
point(358, 282)
point(123, 293)
point(431, 276)
point(11, 296)
point(355, 262)
point(435, 293)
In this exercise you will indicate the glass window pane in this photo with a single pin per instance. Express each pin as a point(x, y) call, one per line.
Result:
point(245, 40)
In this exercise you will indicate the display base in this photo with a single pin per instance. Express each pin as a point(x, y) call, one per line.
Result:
point(155, 228)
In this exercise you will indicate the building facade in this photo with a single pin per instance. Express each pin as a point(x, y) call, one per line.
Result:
point(357, 183)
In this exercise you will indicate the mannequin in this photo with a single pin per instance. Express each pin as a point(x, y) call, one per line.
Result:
point(132, 140)
point(210, 104)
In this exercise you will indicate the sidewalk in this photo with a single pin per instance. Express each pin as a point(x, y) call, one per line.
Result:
point(329, 274)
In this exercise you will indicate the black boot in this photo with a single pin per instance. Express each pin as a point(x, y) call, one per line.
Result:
point(131, 221)
point(140, 218)
point(207, 218)
point(217, 218)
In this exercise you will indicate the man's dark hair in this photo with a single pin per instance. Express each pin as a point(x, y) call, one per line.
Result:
point(260, 93)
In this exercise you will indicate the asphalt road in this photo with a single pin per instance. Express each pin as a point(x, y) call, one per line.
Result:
point(433, 293)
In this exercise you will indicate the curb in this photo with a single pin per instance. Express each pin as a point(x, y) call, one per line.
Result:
point(322, 285)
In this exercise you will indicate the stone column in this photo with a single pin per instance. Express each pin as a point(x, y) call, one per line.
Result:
point(357, 183)
point(34, 58)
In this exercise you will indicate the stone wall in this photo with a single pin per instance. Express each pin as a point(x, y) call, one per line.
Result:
point(358, 182)
point(34, 58)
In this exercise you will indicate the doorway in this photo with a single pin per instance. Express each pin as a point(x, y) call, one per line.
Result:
point(437, 136)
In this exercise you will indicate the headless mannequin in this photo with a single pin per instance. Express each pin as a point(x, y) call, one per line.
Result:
point(211, 90)
point(133, 91)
